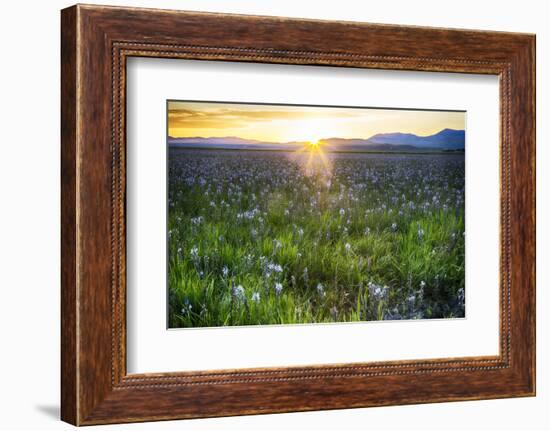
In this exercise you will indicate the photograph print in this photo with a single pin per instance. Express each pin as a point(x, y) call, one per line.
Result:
point(296, 214)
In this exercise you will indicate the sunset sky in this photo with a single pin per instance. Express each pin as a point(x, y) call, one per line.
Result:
point(274, 123)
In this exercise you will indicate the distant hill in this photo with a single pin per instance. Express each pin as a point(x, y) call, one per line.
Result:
point(445, 140)
point(232, 143)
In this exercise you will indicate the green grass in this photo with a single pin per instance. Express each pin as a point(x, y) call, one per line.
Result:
point(264, 238)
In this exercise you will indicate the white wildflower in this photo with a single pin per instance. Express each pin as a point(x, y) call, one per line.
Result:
point(320, 289)
point(238, 292)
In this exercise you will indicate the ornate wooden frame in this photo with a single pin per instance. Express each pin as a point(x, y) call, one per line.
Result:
point(95, 43)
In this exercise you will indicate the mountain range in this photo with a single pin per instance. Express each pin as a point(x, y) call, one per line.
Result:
point(444, 140)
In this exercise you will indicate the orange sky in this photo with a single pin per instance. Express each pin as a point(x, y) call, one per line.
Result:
point(275, 123)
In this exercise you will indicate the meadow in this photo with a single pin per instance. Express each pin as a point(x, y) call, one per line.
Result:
point(272, 237)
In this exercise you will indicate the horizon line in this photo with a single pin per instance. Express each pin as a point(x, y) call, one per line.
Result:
point(319, 140)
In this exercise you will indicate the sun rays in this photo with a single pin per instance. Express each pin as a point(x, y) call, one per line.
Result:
point(313, 160)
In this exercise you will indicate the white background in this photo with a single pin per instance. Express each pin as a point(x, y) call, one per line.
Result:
point(151, 348)
point(29, 227)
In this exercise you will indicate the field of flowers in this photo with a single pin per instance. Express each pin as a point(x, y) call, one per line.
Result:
point(266, 237)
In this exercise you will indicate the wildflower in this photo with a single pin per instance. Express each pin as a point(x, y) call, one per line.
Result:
point(256, 297)
point(225, 271)
point(248, 259)
point(394, 226)
point(377, 292)
point(271, 267)
point(461, 295)
point(187, 307)
point(420, 234)
point(422, 284)
point(194, 253)
point(238, 292)
point(278, 288)
point(320, 289)
point(347, 246)
point(197, 220)
point(342, 211)
point(248, 215)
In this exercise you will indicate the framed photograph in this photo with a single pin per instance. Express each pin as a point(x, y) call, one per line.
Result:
point(263, 214)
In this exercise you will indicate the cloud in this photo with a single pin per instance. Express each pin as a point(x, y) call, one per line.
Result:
point(216, 117)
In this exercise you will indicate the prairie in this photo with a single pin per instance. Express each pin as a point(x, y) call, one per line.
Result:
point(274, 237)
